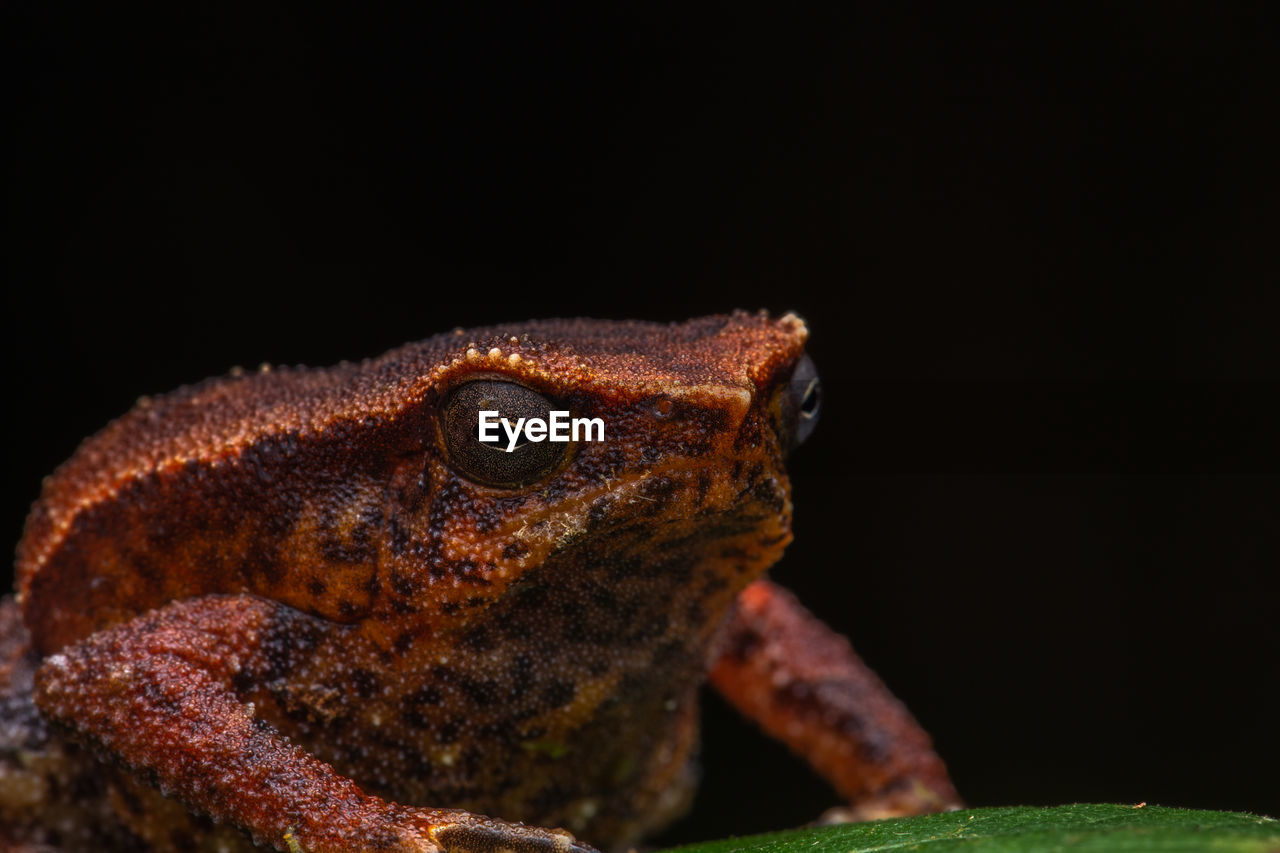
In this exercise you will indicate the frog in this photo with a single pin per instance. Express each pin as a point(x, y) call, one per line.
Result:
point(314, 610)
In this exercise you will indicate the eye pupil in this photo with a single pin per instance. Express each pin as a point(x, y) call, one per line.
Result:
point(805, 400)
point(489, 461)
point(812, 396)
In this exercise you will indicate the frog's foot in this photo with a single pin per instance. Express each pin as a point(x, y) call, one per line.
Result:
point(463, 832)
point(880, 809)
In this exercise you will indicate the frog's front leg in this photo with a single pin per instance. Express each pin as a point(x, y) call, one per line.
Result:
point(803, 684)
point(158, 693)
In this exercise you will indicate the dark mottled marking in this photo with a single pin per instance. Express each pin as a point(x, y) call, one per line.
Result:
point(414, 718)
point(402, 584)
point(703, 486)
point(659, 488)
point(351, 553)
point(364, 682)
point(624, 567)
point(641, 635)
point(554, 492)
point(408, 763)
point(670, 653)
point(127, 795)
point(487, 518)
point(268, 567)
point(288, 637)
point(651, 454)
point(811, 700)
point(426, 695)
point(604, 601)
point(484, 694)
point(450, 731)
point(520, 677)
point(479, 639)
point(404, 642)
point(559, 692)
point(768, 494)
point(599, 512)
point(631, 686)
point(465, 569)
point(243, 681)
point(514, 550)
point(742, 645)
point(695, 612)
point(397, 537)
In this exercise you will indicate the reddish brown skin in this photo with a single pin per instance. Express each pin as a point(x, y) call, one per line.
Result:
point(273, 597)
point(804, 685)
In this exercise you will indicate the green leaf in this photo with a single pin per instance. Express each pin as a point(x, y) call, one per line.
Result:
point(1078, 829)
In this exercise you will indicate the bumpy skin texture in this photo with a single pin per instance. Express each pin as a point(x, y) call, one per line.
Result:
point(274, 597)
point(805, 686)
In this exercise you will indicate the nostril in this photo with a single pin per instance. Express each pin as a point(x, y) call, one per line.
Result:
point(804, 397)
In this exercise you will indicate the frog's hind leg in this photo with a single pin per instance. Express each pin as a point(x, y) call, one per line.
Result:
point(804, 685)
point(160, 694)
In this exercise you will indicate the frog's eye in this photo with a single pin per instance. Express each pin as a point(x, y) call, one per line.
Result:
point(490, 462)
point(805, 399)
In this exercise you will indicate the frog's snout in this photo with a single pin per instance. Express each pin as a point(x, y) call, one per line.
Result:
point(800, 401)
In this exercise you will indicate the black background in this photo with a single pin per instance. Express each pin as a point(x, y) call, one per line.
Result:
point(1037, 252)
